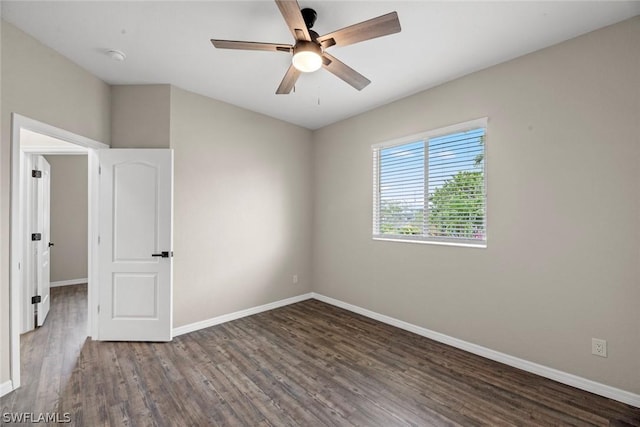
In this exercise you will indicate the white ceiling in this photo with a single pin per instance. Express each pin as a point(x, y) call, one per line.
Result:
point(168, 42)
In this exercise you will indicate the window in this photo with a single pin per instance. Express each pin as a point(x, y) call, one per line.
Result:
point(431, 187)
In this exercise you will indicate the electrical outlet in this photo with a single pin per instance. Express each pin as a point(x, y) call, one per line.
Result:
point(599, 347)
point(295, 279)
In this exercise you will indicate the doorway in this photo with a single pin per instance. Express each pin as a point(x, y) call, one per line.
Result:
point(54, 141)
point(55, 213)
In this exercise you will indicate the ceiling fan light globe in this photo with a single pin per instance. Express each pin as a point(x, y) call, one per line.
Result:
point(307, 62)
point(307, 56)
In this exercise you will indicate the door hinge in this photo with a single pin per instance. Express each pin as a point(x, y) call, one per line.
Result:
point(36, 237)
point(99, 170)
point(98, 308)
point(36, 299)
point(98, 239)
point(36, 174)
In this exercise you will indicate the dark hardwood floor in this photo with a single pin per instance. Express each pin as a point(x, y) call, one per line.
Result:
point(306, 364)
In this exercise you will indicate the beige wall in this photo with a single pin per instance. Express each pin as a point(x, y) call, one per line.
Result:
point(242, 198)
point(242, 208)
point(140, 116)
point(69, 201)
point(43, 85)
point(562, 264)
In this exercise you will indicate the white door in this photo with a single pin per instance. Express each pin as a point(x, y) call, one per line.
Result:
point(43, 221)
point(135, 244)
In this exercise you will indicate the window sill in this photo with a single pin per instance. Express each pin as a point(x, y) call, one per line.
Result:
point(432, 242)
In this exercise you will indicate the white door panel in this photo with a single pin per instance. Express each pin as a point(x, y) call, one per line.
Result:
point(136, 189)
point(135, 230)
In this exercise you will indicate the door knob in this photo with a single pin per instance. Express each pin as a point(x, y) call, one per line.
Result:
point(164, 254)
point(51, 244)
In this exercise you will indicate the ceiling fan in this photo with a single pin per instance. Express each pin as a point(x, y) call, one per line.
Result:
point(309, 51)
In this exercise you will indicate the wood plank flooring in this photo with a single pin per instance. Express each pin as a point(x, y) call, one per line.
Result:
point(307, 364)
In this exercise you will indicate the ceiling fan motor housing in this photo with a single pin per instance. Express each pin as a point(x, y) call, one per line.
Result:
point(309, 16)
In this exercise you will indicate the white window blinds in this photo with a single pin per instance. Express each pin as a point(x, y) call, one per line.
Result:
point(432, 187)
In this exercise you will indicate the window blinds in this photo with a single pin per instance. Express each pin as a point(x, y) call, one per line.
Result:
point(432, 188)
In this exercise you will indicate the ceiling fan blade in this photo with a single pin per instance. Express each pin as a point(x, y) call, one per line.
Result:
point(293, 17)
point(234, 44)
point(344, 72)
point(288, 81)
point(367, 30)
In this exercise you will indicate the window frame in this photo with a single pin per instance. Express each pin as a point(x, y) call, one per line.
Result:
point(425, 136)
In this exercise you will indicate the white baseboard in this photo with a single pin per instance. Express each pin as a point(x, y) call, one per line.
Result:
point(6, 387)
point(544, 371)
point(180, 330)
point(68, 282)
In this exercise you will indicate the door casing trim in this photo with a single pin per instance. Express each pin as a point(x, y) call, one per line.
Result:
point(19, 122)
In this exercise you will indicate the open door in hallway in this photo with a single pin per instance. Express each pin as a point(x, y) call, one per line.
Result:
point(41, 238)
point(135, 245)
